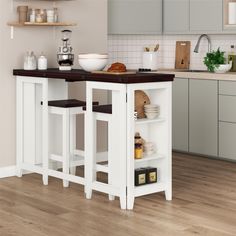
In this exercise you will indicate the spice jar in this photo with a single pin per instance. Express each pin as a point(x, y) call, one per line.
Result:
point(39, 18)
point(138, 151)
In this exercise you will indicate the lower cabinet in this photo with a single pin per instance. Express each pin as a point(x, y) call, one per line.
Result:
point(227, 140)
point(203, 117)
point(180, 115)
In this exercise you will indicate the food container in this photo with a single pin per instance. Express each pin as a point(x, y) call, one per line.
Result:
point(150, 60)
point(42, 62)
point(140, 177)
point(23, 13)
point(151, 175)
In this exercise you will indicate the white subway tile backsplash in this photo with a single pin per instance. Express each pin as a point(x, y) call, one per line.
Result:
point(128, 48)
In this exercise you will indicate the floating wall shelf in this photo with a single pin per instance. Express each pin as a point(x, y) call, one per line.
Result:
point(17, 24)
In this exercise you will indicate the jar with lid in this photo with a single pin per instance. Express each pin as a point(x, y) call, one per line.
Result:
point(42, 62)
point(30, 62)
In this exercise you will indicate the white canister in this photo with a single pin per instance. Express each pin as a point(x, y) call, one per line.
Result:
point(150, 60)
point(50, 16)
point(42, 63)
point(232, 13)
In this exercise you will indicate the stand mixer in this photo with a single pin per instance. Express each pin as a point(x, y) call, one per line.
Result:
point(65, 58)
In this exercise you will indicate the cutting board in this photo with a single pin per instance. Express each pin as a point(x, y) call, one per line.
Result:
point(182, 54)
point(129, 72)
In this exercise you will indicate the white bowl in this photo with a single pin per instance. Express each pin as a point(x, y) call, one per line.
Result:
point(93, 56)
point(151, 115)
point(151, 106)
point(223, 68)
point(93, 64)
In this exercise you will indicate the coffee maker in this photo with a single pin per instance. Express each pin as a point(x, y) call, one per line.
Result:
point(65, 58)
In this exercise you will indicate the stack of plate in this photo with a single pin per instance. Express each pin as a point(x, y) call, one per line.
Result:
point(152, 111)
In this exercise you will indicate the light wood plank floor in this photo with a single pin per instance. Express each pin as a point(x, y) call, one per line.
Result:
point(204, 204)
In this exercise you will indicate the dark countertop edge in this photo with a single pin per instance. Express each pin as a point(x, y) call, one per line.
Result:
point(80, 75)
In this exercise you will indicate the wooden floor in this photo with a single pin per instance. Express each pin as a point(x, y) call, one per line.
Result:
point(204, 203)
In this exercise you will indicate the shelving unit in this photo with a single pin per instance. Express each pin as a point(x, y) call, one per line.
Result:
point(17, 24)
point(157, 131)
point(45, 24)
point(154, 156)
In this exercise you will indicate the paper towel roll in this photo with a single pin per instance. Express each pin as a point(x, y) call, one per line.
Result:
point(232, 13)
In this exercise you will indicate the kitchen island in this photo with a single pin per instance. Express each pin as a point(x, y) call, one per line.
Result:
point(34, 142)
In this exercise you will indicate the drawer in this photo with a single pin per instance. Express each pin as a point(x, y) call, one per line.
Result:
point(227, 108)
point(227, 87)
point(227, 140)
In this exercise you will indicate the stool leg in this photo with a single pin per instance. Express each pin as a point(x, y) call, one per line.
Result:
point(72, 142)
point(90, 160)
point(65, 145)
point(111, 151)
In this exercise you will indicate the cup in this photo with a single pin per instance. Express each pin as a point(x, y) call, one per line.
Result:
point(150, 60)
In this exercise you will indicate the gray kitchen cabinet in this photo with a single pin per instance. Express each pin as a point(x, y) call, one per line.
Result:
point(180, 114)
point(206, 16)
point(135, 17)
point(175, 16)
point(203, 117)
point(227, 111)
point(227, 140)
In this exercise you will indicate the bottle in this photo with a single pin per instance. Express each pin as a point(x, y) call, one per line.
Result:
point(32, 16)
point(55, 15)
point(42, 62)
point(232, 57)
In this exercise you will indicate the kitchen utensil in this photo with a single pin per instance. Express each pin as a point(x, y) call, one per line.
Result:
point(65, 58)
point(22, 11)
point(42, 62)
point(30, 62)
point(93, 62)
point(182, 54)
point(150, 60)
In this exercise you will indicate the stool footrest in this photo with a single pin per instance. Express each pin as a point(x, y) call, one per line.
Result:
point(102, 168)
point(105, 188)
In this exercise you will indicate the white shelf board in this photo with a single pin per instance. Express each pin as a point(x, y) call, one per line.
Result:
point(149, 189)
point(148, 121)
point(154, 156)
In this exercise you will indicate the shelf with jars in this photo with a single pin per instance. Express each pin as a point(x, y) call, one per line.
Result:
point(29, 16)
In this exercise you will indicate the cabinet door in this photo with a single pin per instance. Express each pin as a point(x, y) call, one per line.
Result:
point(134, 17)
point(227, 140)
point(176, 16)
point(206, 15)
point(180, 114)
point(203, 113)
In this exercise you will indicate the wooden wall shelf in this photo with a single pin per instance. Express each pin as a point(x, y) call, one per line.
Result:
point(17, 24)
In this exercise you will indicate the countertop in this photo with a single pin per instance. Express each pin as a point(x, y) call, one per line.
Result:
point(80, 75)
point(229, 76)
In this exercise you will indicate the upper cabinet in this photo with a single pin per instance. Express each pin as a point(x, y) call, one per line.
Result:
point(176, 16)
point(135, 17)
point(206, 16)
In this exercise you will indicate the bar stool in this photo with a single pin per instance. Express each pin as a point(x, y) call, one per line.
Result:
point(68, 109)
point(104, 113)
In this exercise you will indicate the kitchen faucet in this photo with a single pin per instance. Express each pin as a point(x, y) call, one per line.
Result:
point(199, 40)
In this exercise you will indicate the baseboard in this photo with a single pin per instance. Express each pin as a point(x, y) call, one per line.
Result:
point(7, 171)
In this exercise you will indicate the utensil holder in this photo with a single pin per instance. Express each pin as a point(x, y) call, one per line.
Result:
point(150, 60)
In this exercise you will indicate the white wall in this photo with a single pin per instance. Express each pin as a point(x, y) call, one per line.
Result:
point(128, 48)
point(90, 35)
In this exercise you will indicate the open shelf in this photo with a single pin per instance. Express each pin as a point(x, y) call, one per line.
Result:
point(152, 157)
point(149, 189)
point(17, 24)
point(147, 121)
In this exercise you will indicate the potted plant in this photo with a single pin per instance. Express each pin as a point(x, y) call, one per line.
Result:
point(215, 62)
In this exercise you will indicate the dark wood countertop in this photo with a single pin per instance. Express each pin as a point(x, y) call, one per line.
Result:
point(80, 75)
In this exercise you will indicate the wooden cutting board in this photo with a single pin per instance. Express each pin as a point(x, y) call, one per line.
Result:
point(129, 72)
point(182, 54)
